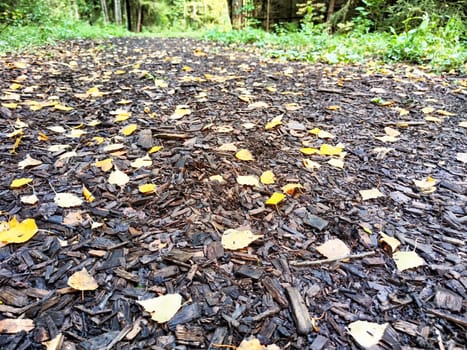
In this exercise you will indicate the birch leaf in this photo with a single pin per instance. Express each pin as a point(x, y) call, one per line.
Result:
point(367, 334)
point(234, 239)
point(14, 231)
point(67, 200)
point(268, 177)
point(333, 248)
point(17, 183)
point(244, 154)
point(118, 178)
point(407, 260)
point(248, 180)
point(28, 161)
point(275, 198)
point(82, 280)
point(162, 308)
point(370, 194)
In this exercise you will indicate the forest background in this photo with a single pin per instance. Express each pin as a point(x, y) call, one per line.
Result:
point(429, 33)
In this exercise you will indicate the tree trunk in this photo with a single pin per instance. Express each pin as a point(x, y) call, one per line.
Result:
point(118, 12)
point(128, 14)
point(105, 12)
point(237, 14)
point(140, 19)
point(332, 4)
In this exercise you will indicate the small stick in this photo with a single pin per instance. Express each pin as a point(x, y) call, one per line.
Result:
point(459, 320)
point(330, 260)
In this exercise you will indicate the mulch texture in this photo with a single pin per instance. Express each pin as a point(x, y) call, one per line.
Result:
point(192, 98)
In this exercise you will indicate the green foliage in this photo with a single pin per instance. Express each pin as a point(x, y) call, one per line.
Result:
point(24, 12)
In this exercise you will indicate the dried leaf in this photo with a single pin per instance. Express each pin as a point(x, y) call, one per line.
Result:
point(217, 178)
point(74, 218)
point(336, 163)
point(333, 248)
point(428, 110)
point(104, 164)
point(427, 185)
point(463, 124)
point(155, 149)
point(430, 118)
point(31, 199)
point(55, 343)
point(17, 183)
point(275, 198)
point(13, 326)
point(322, 134)
point(76, 133)
point(367, 334)
point(291, 188)
point(309, 164)
point(389, 241)
point(387, 138)
point(407, 260)
point(113, 147)
point(248, 180)
point(67, 200)
point(329, 150)
point(309, 150)
point(57, 128)
point(259, 104)
point(370, 194)
point(391, 132)
point(244, 154)
point(82, 280)
point(445, 113)
point(274, 122)
point(162, 308)
point(118, 178)
point(147, 188)
point(250, 344)
point(268, 177)
point(88, 195)
point(14, 231)
point(129, 129)
point(227, 147)
point(461, 157)
point(180, 112)
point(58, 148)
point(234, 239)
point(142, 162)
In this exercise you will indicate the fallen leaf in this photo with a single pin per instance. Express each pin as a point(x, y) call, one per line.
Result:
point(17, 183)
point(180, 112)
point(428, 110)
point(268, 177)
point(244, 154)
point(113, 147)
point(248, 180)
point(67, 200)
point(142, 162)
point(76, 133)
point(430, 118)
point(275, 198)
point(461, 157)
point(389, 241)
point(322, 134)
point(370, 194)
point(55, 343)
point(387, 138)
point(82, 280)
point(58, 148)
point(162, 308)
point(250, 344)
point(334, 248)
point(309, 150)
point(129, 129)
point(329, 150)
point(14, 231)
point(407, 260)
point(57, 128)
point(291, 188)
point(118, 178)
point(217, 178)
point(88, 195)
point(427, 185)
point(155, 149)
point(68, 155)
point(273, 123)
point(227, 147)
point(13, 326)
point(463, 124)
point(147, 188)
point(234, 239)
point(31, 199)
point(445, 113)
point(74, 218)
point(391, 132)
point(259, 104)
point(104, 164)
point(336, 163)
point(367, 334)
point(309, 164)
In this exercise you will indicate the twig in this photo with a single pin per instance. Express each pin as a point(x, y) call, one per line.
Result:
point(461, 321)
point(330, 260)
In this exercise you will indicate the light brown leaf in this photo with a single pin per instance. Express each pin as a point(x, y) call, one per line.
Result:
point(82, 280)
point(334, 248)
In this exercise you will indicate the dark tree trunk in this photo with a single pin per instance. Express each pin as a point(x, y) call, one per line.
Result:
point(128, 14)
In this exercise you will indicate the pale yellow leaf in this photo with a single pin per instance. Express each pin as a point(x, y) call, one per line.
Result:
point(118, 178)
point(391, 132)
point(147, 188)
point(57, 128)
point(20, 124)
point(76, 133)
point(402, 111)
point(55, 343)
point(387, 138)
point(13, 326)
point(292, 106)
point(113, 147)
point(274, 122)
point(463, 124)
point(292, 188)
point(28, 161)
point(248, 180)
point(82, 280)
point(309, 164)
point(58, 148)
point(93, 123)
point(67, 200)
point(445, 113)
point(68, 155)
point(268, 177)
point(367, 334)
point(227, 147)
point(258, 104)
point(30, 199)
point(370, 194)
point(428, 110)
point(322, 134)
point(105, 164)
point(249, 125)
point(244, 154)
point(217, 178)
point(180, 112)
point(334, 248)
point(329, 150)
point(234, 239)
point(14, 231)
point(250, 344)
point(129, 129)
point(389, 241)
point(407, 260)
point(61, 107)
point(17, 183)
point(142, 162)
point(427, 185)
point(74, 218)
point(275, 198)
point(162, 308)
point(461, 157)
point(430, 118)
point(336, 163)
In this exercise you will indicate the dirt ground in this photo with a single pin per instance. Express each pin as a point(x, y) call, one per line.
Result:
point(396, 130)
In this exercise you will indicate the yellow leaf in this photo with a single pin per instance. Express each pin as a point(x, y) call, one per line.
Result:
point(17, 183)
point(291, 188)
point(15, 133)
point(94, 92)
point(250, 344)
point(329, 150)
point(142, 162)
point(11, 105)
point(118, 178)
point(391, 132)
point(217, 178)
point(57, 128)
point(88, 195)
point(67, 200)
point(248, 180)
point(428, 110)
point(430, 118)
point(16, 145)
point(309, 164)
point(321, 133)
point(367, 334)
point(445, 113)
point(333, 248)
point(61, 107)
point(292, 106)
point(309, 150)
point(180, 112)
point(13, 326)
point(244, 154)
point(42, 137)
point(427, 185)
point(17, 232)
point(336, 163)
point(98, 140)
point(227, 147)
point(28, 161)
point(333, 108)
point(120, 72)
point(114, 147)
point(93, 123)
point(58, 148)
point(275, 198)
point(402, 111)
point(370, 194)
point(155, 149)
point(129, 129)
point(19, 124)
point(124, 102)
point(258, 104)
point(105, 164)
point(82, 280)
point(76, 133)
point(274, 122)
point(162, 308)
point(234, 239)
point(407, 260)
point(389, 241)
point(268, 177)
point(147, 188)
